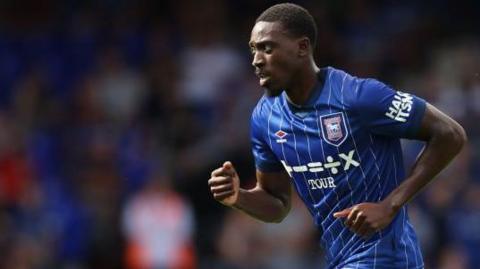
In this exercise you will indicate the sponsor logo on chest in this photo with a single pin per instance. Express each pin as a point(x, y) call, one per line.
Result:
point(331, 167)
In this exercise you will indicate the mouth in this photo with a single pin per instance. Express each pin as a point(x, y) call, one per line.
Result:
point(263, 76)
point(260, 73)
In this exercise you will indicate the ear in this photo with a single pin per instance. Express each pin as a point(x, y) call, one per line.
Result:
point(303, 47)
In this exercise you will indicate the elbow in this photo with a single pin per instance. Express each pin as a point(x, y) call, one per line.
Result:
point(456, 136)
point(460, 137)
point(280, 216)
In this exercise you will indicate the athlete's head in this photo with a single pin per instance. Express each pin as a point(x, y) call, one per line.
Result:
point(282, 42)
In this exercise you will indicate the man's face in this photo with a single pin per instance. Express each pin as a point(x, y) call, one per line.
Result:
point(274, 56)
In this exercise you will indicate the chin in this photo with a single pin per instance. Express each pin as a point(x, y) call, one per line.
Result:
point(273, 92)
point(270, 90)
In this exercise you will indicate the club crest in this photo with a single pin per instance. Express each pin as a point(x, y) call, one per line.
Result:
point(334, 129)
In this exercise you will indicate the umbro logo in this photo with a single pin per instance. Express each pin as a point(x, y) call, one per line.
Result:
point(281, 136)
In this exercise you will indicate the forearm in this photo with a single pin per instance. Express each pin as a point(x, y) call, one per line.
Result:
point(262, 205)
point(436, 155)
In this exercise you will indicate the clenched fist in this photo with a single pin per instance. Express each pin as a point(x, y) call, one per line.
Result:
point(225, 184)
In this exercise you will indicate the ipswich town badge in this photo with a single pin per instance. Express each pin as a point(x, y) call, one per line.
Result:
point(334, 129)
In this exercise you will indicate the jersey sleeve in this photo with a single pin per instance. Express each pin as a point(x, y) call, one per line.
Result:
point(265, 159)
point(388, 112)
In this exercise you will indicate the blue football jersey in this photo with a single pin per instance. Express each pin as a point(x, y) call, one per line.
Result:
point(342, 148)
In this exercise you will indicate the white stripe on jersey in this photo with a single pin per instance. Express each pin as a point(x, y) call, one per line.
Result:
point(283, 149)
point(403, 209)
point(299, 163)
point(359, 157)
point(338, 151)
point(317, 117)
point(268, 125)
point(316, 175)
point(380, 196)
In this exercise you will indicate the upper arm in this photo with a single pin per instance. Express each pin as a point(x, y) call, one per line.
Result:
point(436, 123)
point(276, 184)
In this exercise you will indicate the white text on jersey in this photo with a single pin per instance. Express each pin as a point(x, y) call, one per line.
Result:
point(400, 108)
point(332, 164)
point(321, 183)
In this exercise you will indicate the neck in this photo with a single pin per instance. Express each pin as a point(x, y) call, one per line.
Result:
point(304, 84)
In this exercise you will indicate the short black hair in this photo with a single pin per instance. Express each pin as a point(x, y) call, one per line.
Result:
point(296, 20)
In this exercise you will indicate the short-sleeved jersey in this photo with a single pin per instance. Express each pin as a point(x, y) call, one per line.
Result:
point(343, 148)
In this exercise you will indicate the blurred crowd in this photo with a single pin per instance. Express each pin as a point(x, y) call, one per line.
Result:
point(114, 112)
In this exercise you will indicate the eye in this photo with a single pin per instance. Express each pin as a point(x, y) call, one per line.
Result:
point(253, 50)
point(268, 49)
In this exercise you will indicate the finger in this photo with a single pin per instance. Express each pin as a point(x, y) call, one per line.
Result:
point(351, 217)
point(223, 195)
point(358, 221)
point(214, 181)
point(218, 172)
point(221, 188)
point(228, 167)
point(342, 214)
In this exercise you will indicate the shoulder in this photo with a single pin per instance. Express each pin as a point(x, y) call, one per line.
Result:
point(356, 89)
point(370, 91)
point(338, 76)
point(342, 82)
point(343, 86)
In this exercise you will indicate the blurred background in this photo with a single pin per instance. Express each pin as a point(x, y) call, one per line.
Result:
point(114, 112)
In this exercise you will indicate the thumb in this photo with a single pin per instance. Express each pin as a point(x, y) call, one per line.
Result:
point(342, 214)
point(228, 166)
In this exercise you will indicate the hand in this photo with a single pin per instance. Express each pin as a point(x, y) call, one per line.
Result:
point(367, 218)
point(225, 184)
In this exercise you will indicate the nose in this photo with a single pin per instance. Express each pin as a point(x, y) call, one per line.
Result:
point(258, 60)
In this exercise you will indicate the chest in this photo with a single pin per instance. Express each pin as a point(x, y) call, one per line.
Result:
point(325, 143)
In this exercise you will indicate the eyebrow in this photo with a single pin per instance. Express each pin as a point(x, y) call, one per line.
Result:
point(265, 42)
